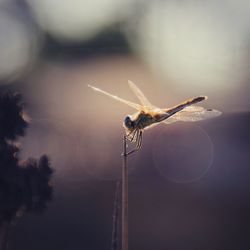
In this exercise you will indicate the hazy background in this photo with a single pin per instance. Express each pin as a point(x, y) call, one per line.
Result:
point(190, 183)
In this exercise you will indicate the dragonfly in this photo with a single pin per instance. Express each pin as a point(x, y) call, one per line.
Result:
point(148, 115)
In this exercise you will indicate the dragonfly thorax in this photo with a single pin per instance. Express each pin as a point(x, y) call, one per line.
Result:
point(138, 121)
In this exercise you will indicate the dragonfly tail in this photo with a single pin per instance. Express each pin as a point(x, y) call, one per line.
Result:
point(181, 106)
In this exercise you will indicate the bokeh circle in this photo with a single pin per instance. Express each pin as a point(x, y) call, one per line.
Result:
point(183, 152)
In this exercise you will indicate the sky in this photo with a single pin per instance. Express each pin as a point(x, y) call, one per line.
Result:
point(189, 184)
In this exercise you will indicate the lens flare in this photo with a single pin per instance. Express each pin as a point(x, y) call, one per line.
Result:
point(183, 153)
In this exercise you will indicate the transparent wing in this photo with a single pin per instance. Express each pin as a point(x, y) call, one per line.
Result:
point(152, 125)
point(131, 104)
point(144, 101)
point(193, 114)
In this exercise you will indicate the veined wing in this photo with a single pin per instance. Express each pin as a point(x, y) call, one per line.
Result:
point(131, 104)
point(193, 114)
point(143, 99)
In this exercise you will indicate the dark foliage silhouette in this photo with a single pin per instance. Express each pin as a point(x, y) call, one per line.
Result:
point(24, 184)
point(12, 122)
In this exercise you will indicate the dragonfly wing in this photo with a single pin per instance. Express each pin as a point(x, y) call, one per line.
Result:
point(170, 120)
point(193, 114)
point(131, 104)
point(152, 125)
point(143, 99)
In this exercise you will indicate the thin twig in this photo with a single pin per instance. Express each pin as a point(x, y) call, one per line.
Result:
point(114, 242)
point(124, 197)
point(124, 231)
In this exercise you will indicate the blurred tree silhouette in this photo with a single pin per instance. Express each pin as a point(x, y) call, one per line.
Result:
point(24, 185)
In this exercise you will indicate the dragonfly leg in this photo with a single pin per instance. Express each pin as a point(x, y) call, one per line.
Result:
point(130, 139)
point(137, 139)
point(138, 142)
point(133, 133)
point(130, 133)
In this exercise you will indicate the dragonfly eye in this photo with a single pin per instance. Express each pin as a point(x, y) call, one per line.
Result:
point(128, 122)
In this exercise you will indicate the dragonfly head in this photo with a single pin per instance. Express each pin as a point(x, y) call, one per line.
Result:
point(128, 123)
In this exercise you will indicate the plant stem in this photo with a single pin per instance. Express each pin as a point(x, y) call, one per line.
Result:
point(124, 197)
point(114, 242)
